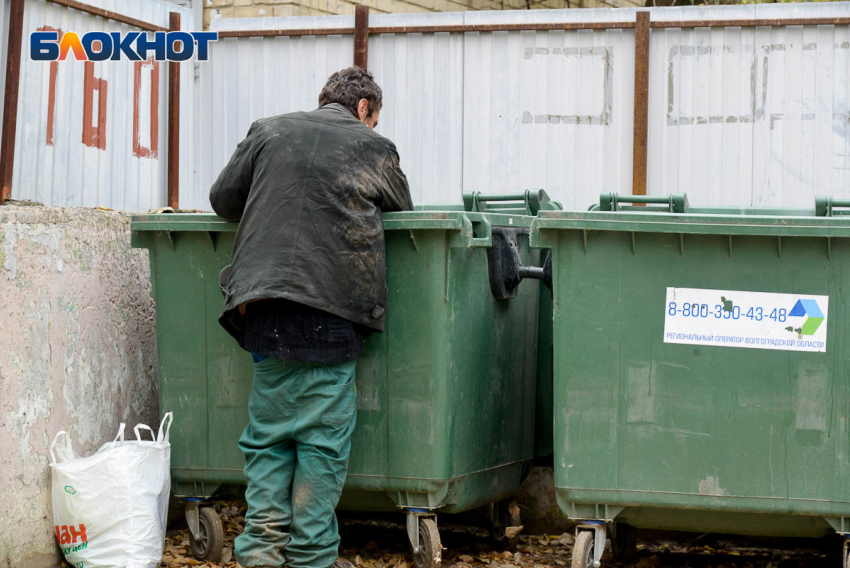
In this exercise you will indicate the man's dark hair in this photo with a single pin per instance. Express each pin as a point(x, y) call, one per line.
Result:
point(348, 86)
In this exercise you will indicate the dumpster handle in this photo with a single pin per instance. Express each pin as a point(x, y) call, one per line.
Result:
point(533, 201)
point(675, 202)
point(483, 228)
point(826, 205)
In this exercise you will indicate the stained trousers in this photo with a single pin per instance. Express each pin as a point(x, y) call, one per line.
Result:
point(296, 446)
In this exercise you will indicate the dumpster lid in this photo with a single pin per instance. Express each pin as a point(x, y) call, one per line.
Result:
point(446, 219)
point(469, 229)
point(675, 215)
point(696, 223)
point(181, 222)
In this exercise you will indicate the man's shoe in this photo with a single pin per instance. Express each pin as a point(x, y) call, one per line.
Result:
point(340, 563)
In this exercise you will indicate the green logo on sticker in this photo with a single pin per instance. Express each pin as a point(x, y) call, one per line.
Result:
point(811, 309)
point(70, 490)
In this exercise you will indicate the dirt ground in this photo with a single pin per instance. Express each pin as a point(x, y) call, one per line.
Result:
point(369, 543)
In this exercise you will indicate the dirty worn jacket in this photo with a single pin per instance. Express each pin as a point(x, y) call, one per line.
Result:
point(308, 189)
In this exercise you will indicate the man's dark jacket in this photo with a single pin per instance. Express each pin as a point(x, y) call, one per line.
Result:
point(308, 189)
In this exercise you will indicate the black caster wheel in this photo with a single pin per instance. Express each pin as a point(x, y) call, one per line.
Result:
point(624, 542)
point(583, 550)
point(430, 553)
point(211, 544)
point(505, 523)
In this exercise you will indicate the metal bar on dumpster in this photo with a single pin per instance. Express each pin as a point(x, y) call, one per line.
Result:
point(655, 199)
point(10, 102)
point(173, 195)
point(502, 197)
point(361, 37)
point(639, 152)
point(114, 16)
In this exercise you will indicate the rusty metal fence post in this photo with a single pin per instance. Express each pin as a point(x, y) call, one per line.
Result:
point(10, 103)
point(641, 124)
point(361, 37)
point(173, 195)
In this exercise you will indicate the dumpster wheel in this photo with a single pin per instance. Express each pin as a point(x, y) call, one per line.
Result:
point(210, 544)
point(583, 551)
point(430, 549)
point(505, 523)
point(624, 542)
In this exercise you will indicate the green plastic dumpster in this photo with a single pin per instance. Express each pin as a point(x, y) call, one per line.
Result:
point(700, 369)
point(543, 428)
point(445, 396)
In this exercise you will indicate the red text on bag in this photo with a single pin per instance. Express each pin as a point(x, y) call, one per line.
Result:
point(69, 535)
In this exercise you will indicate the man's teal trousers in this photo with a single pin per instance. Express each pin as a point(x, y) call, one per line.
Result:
point(296, 446)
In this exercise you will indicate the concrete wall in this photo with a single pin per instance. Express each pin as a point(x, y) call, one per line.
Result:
point(266, 8)
point(77, 353)
point(539, 510)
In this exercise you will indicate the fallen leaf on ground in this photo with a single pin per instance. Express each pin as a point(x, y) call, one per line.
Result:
point(512, 532)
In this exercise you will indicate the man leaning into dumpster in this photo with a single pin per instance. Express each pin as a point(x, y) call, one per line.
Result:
point(306, 286)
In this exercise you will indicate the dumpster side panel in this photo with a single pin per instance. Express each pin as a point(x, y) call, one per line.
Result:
point(640, 421)
point(493, 394)
point(182, 348)
point(369, 459)
point(418, 354)
point(228, 367)
point(478, 383)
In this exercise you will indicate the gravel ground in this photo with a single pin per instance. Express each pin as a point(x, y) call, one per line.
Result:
point(383, 544)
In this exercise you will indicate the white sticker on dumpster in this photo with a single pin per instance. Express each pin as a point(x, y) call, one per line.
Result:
point(754, 320)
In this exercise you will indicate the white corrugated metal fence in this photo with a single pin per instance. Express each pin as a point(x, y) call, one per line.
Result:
point(94, 133)
point(5, 5)
point(736, 115)
point(752, 115)
point(743, 115)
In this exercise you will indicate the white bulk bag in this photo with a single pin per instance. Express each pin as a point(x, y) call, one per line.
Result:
point(109, 509)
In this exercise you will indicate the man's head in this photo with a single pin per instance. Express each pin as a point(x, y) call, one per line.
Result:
point(356, 90)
